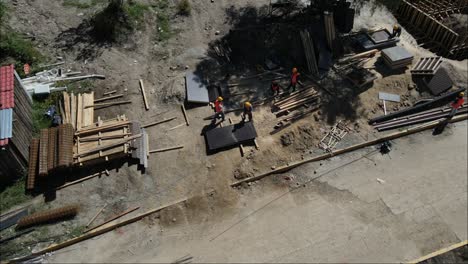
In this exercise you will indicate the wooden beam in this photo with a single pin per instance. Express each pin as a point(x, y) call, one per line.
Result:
point(83, 179)
point(93, 129)
point(349, 149)
point(108, 98)
point(95, 216)
point(185, 115)
point(158, 122)
point(99, 231)
point(166, 149)
point(110, 92)
point(109, 104)
point(91, 139)
point(172, 128)
point(108, 146)
point(113, 218)
point(144, 94)
point(439, 252)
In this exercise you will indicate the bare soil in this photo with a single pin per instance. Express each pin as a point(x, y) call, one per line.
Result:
point(190, 172)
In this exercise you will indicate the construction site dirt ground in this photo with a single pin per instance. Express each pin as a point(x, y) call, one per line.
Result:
point(344, 216)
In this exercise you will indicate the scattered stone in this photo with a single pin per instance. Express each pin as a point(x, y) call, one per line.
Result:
point(217, 32)
point(186, 67)
point(316, 118)
point(174, 220)
point(315, 172)
point(273, 167)
point(249, 183)
point(125, 89)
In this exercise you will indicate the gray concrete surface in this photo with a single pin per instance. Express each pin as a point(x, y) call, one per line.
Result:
point(361, 207)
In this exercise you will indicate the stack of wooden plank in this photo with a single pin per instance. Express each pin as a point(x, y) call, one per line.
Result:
point(77, 109)
point(103, 139)
point(52, 150)
point(329, 29)
point(309, 52)
point(296, 100)
point(427, 66)
point(397, 57)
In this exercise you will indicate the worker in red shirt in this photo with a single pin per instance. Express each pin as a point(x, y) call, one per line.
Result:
point(294, 79)
point(219, 108)
point(457, 103)
point(275, 87)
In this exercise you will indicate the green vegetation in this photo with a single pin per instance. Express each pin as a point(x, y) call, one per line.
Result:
point(184, 8)
point(163, 20)
point(82, 5)
point(14, 48)
point(136, 12)
point(40, 106)
point(75, 232)
point(13, 195)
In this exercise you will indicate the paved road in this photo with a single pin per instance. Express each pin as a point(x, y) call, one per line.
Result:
point(359, 208)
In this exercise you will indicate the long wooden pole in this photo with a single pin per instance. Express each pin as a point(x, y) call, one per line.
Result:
point(158, 122)
point(83, 179)
point(144, 95)
point(108, 98)
point(166, 149)
point(349, 149)
point(113, 218)
point(185, 115)
point(109, 104)
point(99, 231)
point(95, 216)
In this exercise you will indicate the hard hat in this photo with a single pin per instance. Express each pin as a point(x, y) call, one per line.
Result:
point(461, 94)
point(219, 98)
point(247, 104)
point(395, 26)
point(294, 70)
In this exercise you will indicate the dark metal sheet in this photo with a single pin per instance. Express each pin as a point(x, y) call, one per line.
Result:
point(230, 135)
point(12, 220)
point(196, 90)
point(439, 83)
point(380, 36)
point(367, 44)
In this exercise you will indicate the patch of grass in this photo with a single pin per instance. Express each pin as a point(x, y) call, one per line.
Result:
point(136, 11)
point(13, 195)
point(40, 106)
point(3, 10)
point(184, 8)
point(163, 20)
point(76, 231)
point(21, 49)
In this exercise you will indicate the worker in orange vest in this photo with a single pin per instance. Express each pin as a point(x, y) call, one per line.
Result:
point(219, 108)
point(247, 111)
point(294, 79)
point(457, 103)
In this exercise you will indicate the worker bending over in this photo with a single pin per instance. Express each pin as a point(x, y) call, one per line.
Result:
point(456, 104)
point(247, 111)
point(396, 31)
point(294, 79)
point(275, 87)
point(219, 108)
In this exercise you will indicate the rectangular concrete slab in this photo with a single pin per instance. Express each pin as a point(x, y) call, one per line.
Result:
point(396, 54)
point(389, 97)
point(230, 135)
point(197, 92)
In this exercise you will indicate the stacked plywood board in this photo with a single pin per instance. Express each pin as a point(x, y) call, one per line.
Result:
point(77, 109)
point(397, 57)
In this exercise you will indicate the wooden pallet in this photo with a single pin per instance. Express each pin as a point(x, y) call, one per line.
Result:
point(427, 66)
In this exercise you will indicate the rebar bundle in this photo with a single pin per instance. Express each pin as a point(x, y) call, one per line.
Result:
point(47, 216)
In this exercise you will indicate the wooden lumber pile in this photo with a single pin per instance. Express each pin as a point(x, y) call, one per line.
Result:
point(52, 150)
point(77, 109)
point(102, 140)
point(296, 100)
point(427, 66)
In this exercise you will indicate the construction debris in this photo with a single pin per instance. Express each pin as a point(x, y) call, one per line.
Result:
point(113, 218)
point(95, 216)
point(334, 136)
point(165, 149)
point(296, 100)
point(47, 216)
